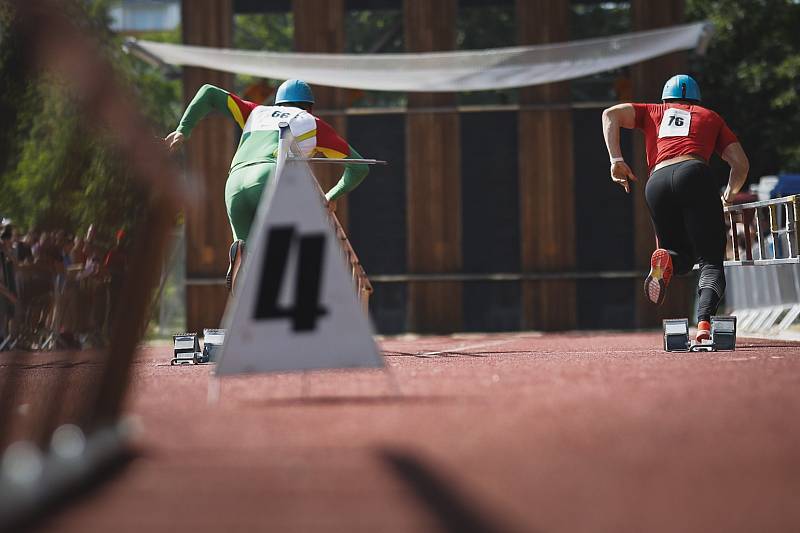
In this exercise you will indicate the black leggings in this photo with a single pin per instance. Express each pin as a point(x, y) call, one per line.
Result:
point(687, 214)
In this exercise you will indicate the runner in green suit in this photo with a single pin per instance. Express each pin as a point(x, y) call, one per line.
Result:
point(254, 163)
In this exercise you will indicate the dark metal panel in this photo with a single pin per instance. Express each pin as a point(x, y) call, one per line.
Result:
point(377, 208)
point(363, 5)
point(492, 306)
point(398, 4)
point(490, 192)
point(604, 233)
point(604, 219)
point(261, 6)
point(605, 305)
point(388, 308)
point(485, 3)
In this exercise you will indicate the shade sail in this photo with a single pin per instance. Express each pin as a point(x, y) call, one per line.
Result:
point(474, 70)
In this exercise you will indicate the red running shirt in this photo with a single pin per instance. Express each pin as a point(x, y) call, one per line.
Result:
point(673, 129)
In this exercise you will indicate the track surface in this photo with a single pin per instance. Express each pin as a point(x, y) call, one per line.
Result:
point(555, 433)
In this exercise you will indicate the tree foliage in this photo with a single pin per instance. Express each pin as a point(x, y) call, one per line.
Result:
point(267, 32)
point(270, 32)
point(751, 76)
point(56, 170)
point(589, 20)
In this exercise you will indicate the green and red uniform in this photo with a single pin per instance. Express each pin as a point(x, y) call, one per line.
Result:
point(255, 158)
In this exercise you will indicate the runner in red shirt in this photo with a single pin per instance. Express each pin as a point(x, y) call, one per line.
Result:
point(681, 193)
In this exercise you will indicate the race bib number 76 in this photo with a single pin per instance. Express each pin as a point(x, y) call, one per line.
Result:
point(675, 123)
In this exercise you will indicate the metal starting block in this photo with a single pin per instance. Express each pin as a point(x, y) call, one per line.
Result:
point(723, 335)
point(186, 349)
point(212, 344)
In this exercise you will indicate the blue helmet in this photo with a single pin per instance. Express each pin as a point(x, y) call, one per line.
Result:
point(294, 91)
point(681, 87)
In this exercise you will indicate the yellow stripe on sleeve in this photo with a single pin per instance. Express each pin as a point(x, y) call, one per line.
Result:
point(236, 112)
point(306, 135)
point(330, 153)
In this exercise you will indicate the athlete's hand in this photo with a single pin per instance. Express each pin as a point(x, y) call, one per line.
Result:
point(727, 196)
point(331, 205)
point(621, 173)
point(174, 140)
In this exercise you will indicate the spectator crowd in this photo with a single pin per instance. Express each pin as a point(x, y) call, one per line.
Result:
point(62, 258)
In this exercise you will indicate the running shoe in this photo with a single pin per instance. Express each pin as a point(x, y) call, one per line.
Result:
point(235, 256)
point(655, 286)
point(703, 331)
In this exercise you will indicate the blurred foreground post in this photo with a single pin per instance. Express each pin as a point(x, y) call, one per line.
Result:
point(65, 440)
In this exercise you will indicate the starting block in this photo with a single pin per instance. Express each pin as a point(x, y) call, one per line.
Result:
point(186, 349)
point(723, 335)
point(213, 339)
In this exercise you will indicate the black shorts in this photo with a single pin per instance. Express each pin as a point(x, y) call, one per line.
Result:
point(686, 209)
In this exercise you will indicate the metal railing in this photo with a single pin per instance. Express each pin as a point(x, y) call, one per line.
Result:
point(361, 281)
point(363, 286)
point(764, 234)
point(768, 233)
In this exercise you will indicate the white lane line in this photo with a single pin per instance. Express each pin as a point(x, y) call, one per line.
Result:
point(465, 347)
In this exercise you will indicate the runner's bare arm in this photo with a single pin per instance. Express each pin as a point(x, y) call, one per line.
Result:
point(734, 155)
point(614, 118)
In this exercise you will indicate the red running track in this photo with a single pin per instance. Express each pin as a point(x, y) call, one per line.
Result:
point(553, 433)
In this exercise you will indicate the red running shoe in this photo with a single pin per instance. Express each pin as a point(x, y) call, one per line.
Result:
point(703, 331)
point(655, 286)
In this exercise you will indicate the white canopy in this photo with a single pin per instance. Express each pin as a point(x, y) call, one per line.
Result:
point(473, 70)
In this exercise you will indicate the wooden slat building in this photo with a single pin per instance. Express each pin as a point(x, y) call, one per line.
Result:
point(470, 191)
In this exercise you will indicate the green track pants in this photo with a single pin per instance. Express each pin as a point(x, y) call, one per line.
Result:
point(242, 195)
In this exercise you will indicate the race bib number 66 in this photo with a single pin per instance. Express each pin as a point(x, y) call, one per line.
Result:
point(675, 123)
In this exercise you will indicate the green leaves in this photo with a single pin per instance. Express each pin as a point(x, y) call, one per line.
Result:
point(58, 169)
point(750, 76)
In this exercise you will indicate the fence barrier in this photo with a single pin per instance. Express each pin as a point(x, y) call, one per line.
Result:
point(768, 234)
point(763, 234)
point(359, 275)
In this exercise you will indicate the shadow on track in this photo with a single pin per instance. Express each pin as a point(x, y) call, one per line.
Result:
point(456, 512)
point(353, 400)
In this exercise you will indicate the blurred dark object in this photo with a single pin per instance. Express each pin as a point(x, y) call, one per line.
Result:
point(37, 471)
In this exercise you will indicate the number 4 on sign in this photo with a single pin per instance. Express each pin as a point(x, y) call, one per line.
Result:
point(306, 308)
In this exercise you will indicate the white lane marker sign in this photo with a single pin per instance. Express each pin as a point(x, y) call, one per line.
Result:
point(295, 307)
